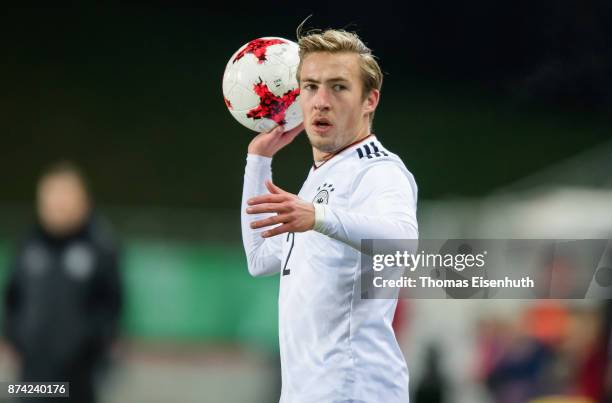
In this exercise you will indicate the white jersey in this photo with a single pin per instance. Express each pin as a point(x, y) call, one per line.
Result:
point(334, 345)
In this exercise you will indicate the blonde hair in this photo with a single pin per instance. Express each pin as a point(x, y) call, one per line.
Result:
point(340, 41)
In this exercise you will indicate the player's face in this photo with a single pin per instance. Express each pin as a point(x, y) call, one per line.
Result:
point(332, 100)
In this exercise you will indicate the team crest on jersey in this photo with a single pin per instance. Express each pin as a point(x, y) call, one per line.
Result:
point(323, 193)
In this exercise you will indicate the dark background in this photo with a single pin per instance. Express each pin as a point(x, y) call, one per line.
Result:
point(476, 94)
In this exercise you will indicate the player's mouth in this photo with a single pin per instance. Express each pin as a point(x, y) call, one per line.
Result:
point(321, 125)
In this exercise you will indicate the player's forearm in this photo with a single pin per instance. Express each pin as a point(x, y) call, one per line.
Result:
point(262, 258)
point(351, 228)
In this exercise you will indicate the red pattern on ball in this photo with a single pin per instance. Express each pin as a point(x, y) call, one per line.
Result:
point(271, 106)
point(258, 48)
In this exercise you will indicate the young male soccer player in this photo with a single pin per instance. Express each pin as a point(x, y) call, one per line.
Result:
point(335, 346)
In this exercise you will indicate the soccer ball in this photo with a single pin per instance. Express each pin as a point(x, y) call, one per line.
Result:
point(259, 84)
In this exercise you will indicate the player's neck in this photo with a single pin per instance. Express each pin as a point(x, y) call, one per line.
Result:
point(320, 157)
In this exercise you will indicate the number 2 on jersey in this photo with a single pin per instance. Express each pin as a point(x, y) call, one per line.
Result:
point(286, 271)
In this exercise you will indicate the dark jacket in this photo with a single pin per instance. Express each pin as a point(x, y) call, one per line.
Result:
point(63, 297)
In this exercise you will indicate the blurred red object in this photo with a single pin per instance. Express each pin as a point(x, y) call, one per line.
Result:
point(547, 321)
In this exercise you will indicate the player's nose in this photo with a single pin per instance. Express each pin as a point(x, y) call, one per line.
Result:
point(321, 100)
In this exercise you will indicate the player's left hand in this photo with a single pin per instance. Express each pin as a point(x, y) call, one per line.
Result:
point(293, 213)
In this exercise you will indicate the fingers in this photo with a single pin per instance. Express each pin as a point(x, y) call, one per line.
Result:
point(276, 195)
point(266, 222)
point(269, 198)
point(276, 131)
point(295, 131)
point(272, 188)
point(270, 142)
point(268, 208)
point(281, 229)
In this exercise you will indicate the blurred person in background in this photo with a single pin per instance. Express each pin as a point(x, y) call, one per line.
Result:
point(519, 356)
point(63, 296)
point(433, 386)
point(553, 352)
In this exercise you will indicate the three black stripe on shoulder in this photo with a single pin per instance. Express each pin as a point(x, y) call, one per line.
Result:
point(370, 150)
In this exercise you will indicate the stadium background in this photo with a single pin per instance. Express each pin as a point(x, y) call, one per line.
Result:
point(501, 111)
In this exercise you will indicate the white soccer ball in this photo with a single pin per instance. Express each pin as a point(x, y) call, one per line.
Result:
point(259, 84)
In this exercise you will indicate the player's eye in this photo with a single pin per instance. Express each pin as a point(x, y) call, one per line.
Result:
point(309, 87)
point(338, 87)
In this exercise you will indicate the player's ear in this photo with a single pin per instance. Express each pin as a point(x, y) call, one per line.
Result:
point(371, 101)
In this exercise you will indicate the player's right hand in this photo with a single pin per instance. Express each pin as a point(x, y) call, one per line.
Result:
point(268, 143)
